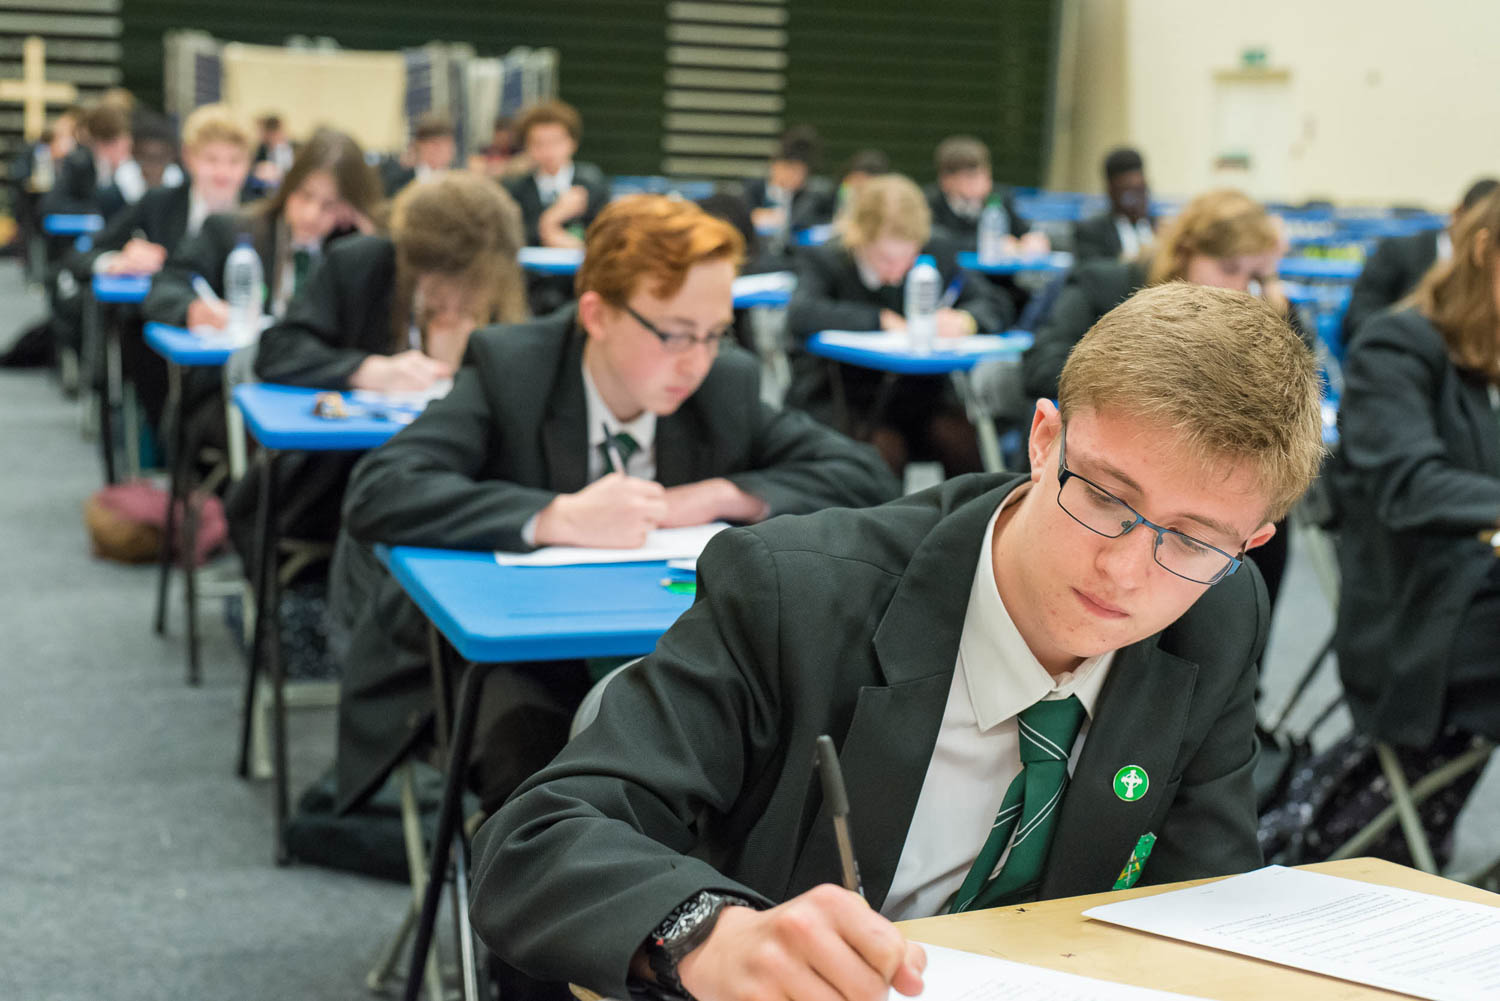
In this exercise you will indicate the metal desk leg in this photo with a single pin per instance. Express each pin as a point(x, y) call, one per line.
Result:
point(449, 828)
point(190, 584)
point(984, 424)
point(108, 396)
point(175, 490)
point(262, 571)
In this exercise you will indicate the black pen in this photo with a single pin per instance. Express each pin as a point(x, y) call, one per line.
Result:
point(952, 292)
point(838, 804)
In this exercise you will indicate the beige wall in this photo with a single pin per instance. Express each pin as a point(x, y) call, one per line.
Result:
point(1389, 100)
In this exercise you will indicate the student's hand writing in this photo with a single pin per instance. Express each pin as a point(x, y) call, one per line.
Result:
point(1034, 244)
point(711, 500)
point(892, 320)
point(202, 313)
point(614, 512)
point(570, 204)
point(955, 323)
point(407, 371)
point(824, 945)
point(139, 257)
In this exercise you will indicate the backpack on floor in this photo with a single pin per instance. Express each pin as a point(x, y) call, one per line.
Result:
point(127, 522)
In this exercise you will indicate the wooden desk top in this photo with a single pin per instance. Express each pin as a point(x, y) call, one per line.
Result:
point(1055, 934)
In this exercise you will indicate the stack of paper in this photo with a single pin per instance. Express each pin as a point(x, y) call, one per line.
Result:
point(1414, 943)
point(898, 342)
point(662, 544)
point(965, 976)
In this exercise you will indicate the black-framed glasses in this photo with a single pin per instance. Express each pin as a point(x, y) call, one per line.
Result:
point(680, 343)
point(1102, 513)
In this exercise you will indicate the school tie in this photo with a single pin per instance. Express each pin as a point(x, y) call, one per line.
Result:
point(624, 446)
point(1029, 811)
point(301, 265)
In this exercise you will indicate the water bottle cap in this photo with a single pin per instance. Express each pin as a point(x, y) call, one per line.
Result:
point(928, 260)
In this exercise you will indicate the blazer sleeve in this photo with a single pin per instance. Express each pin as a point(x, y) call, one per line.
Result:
point(1210, 826)
point(202, 254)
point(1092, 243)
point(1019, 226)
point(1380, 284)
point(1389, 433)
point(798, 465)
point(112, 237)
point(990, 305)
point(815, 306)
point(304, 349)
point(1071, 317)
point(585, 859)
point(424, 486)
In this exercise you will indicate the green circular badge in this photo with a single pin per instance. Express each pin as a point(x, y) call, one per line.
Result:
point(1131, 783)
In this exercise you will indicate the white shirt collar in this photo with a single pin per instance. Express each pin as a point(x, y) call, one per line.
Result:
point(1002, 674)
point(965, 208)
point(1444, 245)
point(642, 429)
point(868, 277)
point(555, 184)
point(198, 211)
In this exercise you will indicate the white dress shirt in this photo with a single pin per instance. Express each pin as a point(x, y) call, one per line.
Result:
point(978, 752)
point(550, 186)
point(601, 421)
point(1444, 245)
point(1134, 237)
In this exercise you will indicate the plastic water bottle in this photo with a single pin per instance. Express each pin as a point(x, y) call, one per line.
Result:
point(994, 227)
point(923, 285)
point(244, 284)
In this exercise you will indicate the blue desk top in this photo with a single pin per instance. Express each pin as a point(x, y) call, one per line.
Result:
point(1319, 268)
point(182, 347)
point(813, 236)
point(1055, 261)
point(121, 288)
point(550, 260)
point(58, 224)
point(281, 418)
point(494, 614)
point(1008, 345)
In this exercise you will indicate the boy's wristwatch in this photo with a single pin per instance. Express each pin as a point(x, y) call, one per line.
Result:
point(682, 931)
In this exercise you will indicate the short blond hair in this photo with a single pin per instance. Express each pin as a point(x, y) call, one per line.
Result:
point(213, 123)
point(1222, 223)
point(1221, 371)
point(890, 205)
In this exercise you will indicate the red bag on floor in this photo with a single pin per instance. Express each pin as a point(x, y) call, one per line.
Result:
point(127, 522)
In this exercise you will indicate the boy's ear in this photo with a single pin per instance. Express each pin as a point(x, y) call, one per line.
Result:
point(1046, 425)
point(1261, 537)
point(591, 307)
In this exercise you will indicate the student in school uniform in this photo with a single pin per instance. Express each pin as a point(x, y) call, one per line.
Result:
point(433, 148)
point(560, 197)
point(856, 282)
point(1126, 229)
point(1034, 693)
point(863, 164)
point(1221, 238)
point(1399, 262)
point(517, 457)
point(328, 193)
point(84, 182)
point(790, 197)
point(389, 314)
point(153, 157)
point(965, 185)
point(140, 238)
point(274, 152)
point(1418, 479)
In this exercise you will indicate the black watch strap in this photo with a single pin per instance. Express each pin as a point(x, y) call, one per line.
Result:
point(682, 931)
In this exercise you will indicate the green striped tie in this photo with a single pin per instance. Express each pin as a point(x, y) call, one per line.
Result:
point(1029, 810)
point(625, 446)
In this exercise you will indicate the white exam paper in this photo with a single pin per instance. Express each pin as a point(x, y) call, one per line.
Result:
point(899, 342)
point(952, 975)
point(662, 544)
point(1414, 943)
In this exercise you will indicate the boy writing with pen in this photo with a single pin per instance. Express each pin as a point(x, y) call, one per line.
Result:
point(1040, 685)
point(622, 413)
point(856, 282)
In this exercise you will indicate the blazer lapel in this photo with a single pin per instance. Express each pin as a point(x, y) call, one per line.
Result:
point(683, 454)
point(1486, 426)
point(889, 743)
point(175, 221)
point(1139, 720)
point(565, 436)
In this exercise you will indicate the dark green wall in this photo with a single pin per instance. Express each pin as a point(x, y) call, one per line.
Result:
point(900, 75)
point(610, 51)
point(893, 74)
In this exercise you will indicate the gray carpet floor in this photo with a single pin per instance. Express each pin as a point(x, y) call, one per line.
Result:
point(133, 864)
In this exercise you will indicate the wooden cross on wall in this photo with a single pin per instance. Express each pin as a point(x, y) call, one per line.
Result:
point(33, 91)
